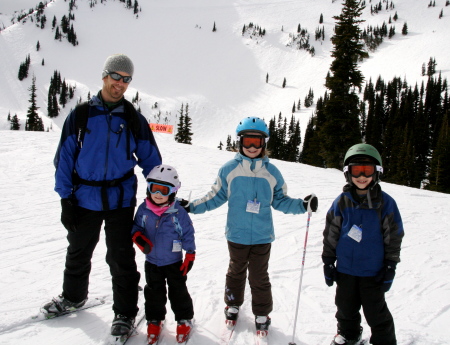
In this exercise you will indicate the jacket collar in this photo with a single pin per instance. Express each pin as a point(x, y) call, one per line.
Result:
point(254, 164)
point(374, 193)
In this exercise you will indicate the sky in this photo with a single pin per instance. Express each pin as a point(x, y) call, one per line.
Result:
point(178, 59)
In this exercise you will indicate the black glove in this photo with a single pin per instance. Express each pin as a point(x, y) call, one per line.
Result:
point(386, 275)
point(69, 214)
point(329, 270)
point(312, 202)
point(143, 243)
point(185, 204)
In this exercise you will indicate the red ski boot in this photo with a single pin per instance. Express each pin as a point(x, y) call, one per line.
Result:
point(184, 328)
point(154, 328)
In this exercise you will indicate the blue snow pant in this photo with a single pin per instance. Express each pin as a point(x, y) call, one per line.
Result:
point(120, 257)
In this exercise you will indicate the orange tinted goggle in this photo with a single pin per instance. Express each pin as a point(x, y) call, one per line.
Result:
point(256, 141)
point(359, 169)
point(162, 189)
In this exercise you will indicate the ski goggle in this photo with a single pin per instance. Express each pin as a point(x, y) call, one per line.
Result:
point(117, 76)
point(257, 141)
point(361, 169)
point(163, 189)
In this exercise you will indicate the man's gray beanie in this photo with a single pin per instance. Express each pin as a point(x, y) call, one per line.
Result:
point(118, 63)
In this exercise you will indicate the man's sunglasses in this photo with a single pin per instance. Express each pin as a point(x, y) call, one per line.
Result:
point(163, 189)
point(116, 76)
point(360, 169)
point(257, 141)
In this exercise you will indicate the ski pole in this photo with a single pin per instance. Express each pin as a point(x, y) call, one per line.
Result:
point(301, 272)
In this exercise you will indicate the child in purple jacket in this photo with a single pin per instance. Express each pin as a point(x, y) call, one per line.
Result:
point(162, 230)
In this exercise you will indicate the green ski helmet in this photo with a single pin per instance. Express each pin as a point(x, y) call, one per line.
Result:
point(363, 151)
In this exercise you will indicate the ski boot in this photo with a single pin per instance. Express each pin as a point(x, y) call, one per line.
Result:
point(340, 339)
point(154, 328)
point(184, 328)
point(122, 325)
point(231, 315)
point(60, 305)
point(262, 325)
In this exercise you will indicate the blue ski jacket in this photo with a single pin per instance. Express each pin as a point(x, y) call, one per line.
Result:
point(381, 235)
point(242, 180)
point(166, 232)
point(106, 155)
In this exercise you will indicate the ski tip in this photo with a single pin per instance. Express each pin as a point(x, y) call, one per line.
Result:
point(230, 323)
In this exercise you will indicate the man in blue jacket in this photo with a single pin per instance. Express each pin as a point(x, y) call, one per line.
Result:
point(101, 143)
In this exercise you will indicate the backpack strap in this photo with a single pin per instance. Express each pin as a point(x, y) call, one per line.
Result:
point(81, 119)
point(131, 116)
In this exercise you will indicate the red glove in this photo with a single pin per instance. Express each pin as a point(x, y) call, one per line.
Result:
point(143, 243)
point(187, 263)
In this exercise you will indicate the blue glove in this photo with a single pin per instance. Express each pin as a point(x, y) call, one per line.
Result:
point(386, 276)
point(329, 270)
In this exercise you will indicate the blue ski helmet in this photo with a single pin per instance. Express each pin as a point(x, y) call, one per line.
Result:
point(252, 124)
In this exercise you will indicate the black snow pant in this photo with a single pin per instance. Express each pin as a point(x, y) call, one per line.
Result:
point(352, 293)
point(155, 292)
point(255, 259)
point(120, 257)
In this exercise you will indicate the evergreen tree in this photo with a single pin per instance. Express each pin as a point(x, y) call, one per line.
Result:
point(214, 27)
point(179, 137)
point(57, 34)
point(439, 178)
point(284, 83)
point(34, 122)
point(187, 126)
point(230, 145)
point(341, 128)
point(38, 46)
point(220, 146)
point(405, 29)
point(431, 67)
point(63, 95)
point(15, 123)
point(311, 144)
point(321, 19)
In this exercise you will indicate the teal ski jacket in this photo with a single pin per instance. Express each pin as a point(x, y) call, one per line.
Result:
point(242, 180)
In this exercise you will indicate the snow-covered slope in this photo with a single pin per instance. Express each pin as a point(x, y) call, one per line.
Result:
point(33, 250)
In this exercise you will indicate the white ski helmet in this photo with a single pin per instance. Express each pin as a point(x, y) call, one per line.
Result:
point(164, 174)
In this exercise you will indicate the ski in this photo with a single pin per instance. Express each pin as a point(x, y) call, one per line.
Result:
point(43, 315)
point(227, 332)
point(262, 337)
